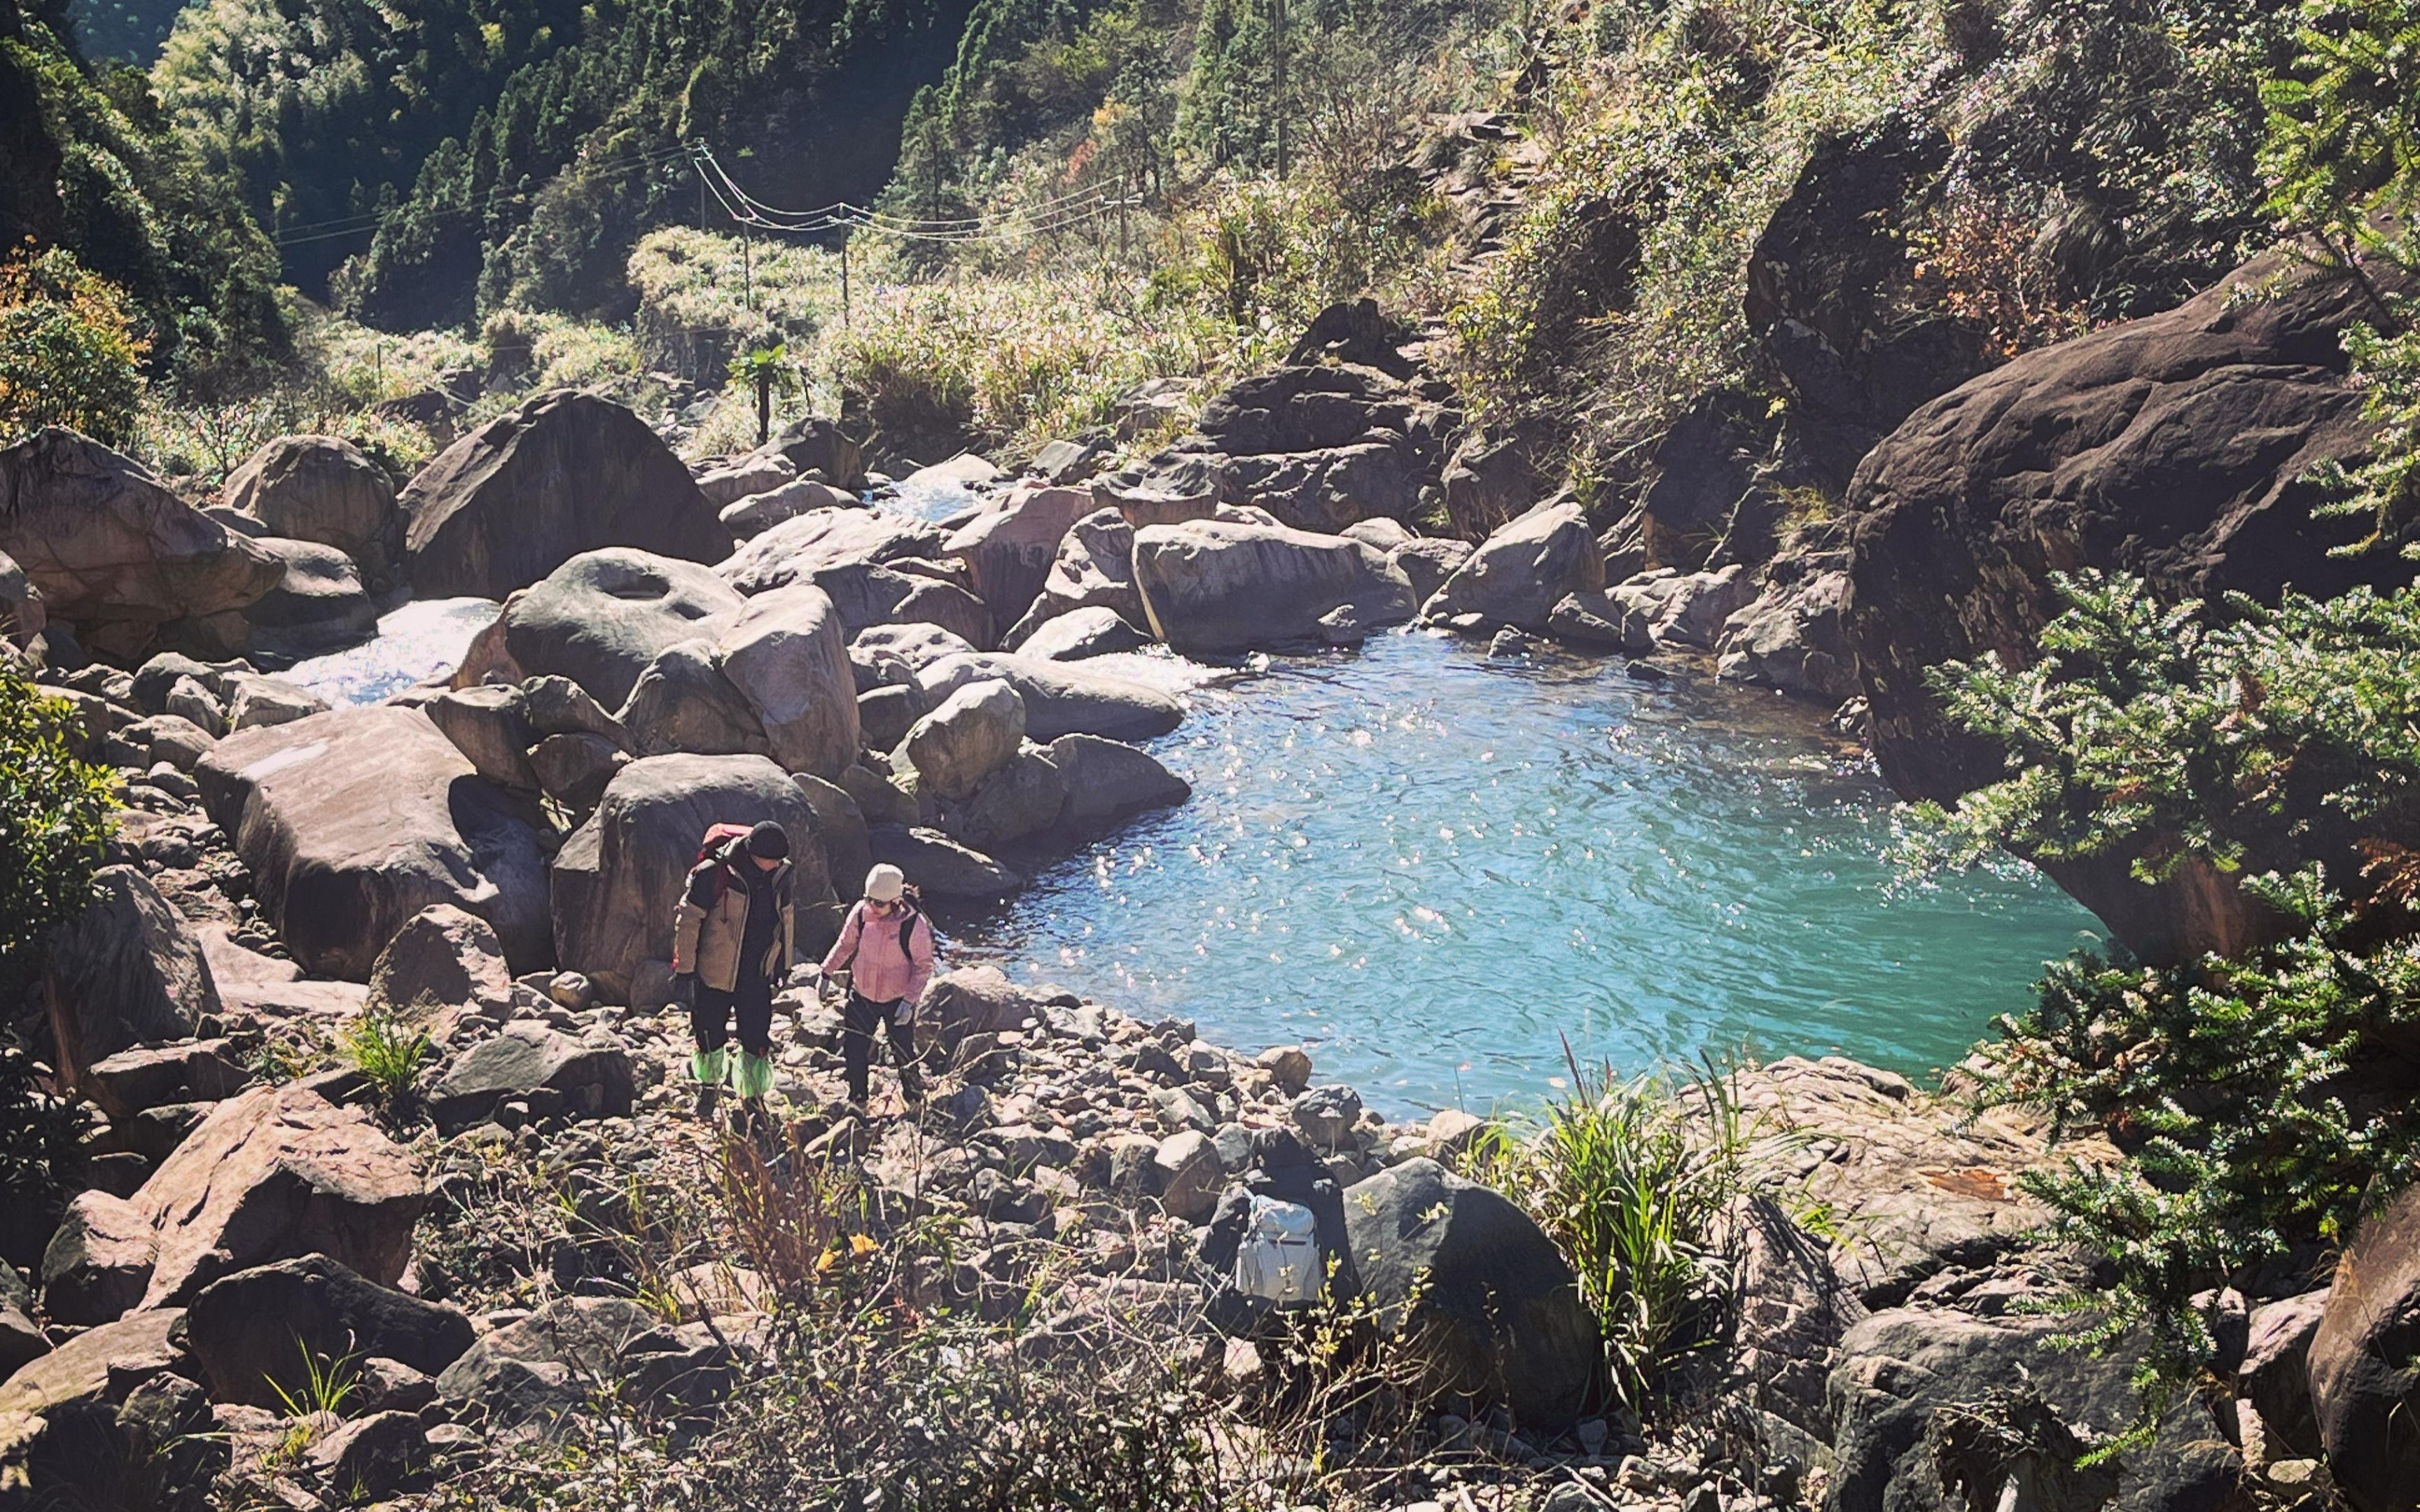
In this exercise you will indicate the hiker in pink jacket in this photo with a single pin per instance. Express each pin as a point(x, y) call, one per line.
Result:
point(886, 948)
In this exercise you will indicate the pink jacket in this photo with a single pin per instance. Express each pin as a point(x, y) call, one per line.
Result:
point(868, 949)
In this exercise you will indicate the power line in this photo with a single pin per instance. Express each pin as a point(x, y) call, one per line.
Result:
point(843, 210)
point(1061, 213)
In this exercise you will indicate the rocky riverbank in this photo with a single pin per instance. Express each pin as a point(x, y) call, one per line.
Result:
point(495, 1249)
point(369, 1009)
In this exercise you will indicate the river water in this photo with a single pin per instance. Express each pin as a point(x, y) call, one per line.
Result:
point(1435, 869)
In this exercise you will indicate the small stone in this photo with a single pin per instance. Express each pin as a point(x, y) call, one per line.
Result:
point(1287, 1065)
point(1327, 1115)
point(1241, 1363)
point(1450, 1132)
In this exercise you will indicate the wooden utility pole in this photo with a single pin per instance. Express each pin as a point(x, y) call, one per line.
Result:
point(748, 265)
point(1278, 68)
point(844, 282)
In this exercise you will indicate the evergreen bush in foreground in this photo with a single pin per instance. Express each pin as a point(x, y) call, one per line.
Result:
point(55, 818)
point(2261, 1103)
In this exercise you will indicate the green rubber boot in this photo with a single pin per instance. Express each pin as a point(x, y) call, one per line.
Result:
point(708, 1068)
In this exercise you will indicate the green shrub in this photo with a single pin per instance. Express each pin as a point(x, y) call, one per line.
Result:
point(54, 819)
point(704, 299)
point(68, 352)
point(2256, 1100)
point(2343, 155)
point(1633, 1179)
point(387, 1051)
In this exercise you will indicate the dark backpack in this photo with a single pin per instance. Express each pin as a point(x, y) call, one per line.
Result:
point(915, 901)
point(715, 847)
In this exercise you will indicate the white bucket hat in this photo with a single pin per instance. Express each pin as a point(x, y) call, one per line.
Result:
point(885, 883)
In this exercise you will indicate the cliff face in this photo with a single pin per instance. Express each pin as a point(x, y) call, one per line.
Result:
point(2179, 447)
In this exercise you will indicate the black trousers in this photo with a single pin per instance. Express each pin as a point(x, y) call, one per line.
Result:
point(710, 1015)
point(857, 1018)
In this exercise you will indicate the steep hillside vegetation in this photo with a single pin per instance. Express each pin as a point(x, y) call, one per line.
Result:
point(469, 155)
point(89, 163)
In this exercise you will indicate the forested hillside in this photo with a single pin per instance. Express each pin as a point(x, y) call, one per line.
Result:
point(467, 155)
point(88, 162)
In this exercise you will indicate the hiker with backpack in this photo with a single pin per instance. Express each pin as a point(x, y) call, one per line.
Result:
point(886, 949)
point(732, 938)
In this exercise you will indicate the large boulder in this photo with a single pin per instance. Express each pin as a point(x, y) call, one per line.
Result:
point(1519, 574)
point(2273, 1383)
point(1063, 698)
point(618, 879)
point(2364, 1362)
point(1222, 586)
point(274, 1174)
point(1107, 780)
point(1024, 797)
point(867, 596)
point(787, 655)
point(253, 1332)
point(1319, 444)
point(600, 619)
point(810, 443)
point(443, 957)
point(489, 724)
point(568, 472)
point(975, 733)
point(800, 547)
point(23, 618)
point(573, 769)
point(1832, 299)
point(917, 646)
point(1794, 637)
point(1667, 608)
point(2183, 447)
point(1009, 547)
point(354, 820)
point(114, 553)
point(1079, 635)
point(322, 489)
point(940, 866)
point(1428, 561)
point(254, 702)
point(1094, 568)
point(131, 1081)
point(750, 516)
point(591, 1074)
point(96, 1365)
point(1910, 1386)
point(683, 702)
point(1495, 1310)
point(97, 1264)
point(318, 602)
point(727, 483)
point(128, 971)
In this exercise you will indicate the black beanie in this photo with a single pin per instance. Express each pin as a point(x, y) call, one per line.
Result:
point(769, 841)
